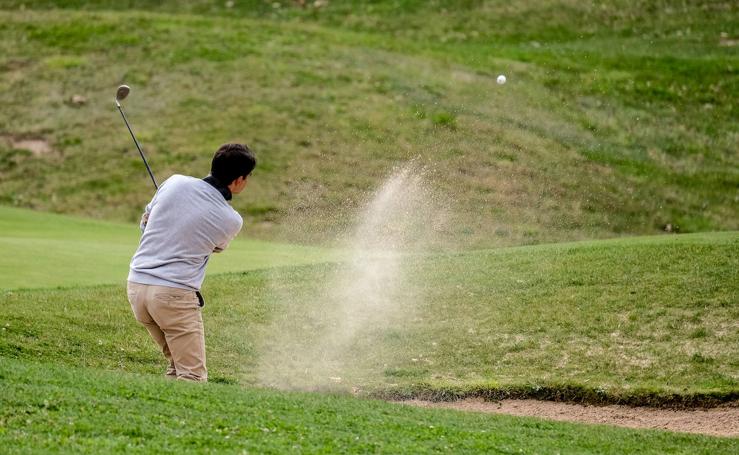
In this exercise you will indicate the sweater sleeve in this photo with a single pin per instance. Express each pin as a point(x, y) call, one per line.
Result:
point(238, 222)
point(149, 206)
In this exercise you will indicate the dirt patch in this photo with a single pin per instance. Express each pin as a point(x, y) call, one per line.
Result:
point(37, 146)
point(720, 421)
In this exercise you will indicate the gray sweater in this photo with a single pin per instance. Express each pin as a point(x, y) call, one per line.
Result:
point(188, 219)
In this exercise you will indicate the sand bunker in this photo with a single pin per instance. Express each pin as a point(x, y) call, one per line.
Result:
point(720, 421)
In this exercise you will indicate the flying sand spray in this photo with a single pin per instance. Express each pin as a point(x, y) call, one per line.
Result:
point(323, 335)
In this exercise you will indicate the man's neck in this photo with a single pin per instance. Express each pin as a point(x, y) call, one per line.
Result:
point(223, 189)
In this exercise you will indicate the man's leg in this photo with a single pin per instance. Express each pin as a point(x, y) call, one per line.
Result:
point(137, 297)
point(177, 313)
point(161, 340)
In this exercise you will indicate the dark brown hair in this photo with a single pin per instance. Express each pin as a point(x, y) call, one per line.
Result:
point(232, 161)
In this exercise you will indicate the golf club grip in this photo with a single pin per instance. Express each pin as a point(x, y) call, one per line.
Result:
point(138, 147)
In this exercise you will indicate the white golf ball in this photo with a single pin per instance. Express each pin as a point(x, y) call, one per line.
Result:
point(501, 79)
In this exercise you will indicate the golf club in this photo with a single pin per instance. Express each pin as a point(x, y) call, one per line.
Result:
point(120, 95)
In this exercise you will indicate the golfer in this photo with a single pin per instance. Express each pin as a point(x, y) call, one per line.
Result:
point(186, 221)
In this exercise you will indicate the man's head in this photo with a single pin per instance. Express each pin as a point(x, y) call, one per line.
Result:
point(231, 165)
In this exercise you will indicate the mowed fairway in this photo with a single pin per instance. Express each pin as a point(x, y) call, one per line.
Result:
point(42, 250)
point(633, 320)
point(651, 318)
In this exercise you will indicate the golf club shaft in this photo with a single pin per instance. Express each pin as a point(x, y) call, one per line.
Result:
point(137, 145)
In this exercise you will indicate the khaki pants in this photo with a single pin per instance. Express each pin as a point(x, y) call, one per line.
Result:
point(173, 318)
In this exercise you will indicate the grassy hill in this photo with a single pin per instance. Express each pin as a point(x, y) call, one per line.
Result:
point(618, 118)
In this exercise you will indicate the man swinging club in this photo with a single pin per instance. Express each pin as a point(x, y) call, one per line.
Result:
point(186, 221)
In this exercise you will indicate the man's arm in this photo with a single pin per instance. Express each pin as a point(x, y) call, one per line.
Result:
point(145, 216)
point(224, 244)
point(147, 210)
point(149, 206)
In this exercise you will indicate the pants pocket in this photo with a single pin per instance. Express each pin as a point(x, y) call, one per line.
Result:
point(177, 298)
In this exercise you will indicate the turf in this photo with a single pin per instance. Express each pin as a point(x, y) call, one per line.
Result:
point(47, 250)
point(618, 118)
point(50, 408)
point(648, 319)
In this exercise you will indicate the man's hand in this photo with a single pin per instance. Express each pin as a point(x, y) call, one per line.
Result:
point(144, 220)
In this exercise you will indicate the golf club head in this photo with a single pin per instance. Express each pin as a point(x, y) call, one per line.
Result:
point(122, 92)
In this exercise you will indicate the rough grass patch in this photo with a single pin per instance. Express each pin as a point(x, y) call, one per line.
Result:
point(445, 119)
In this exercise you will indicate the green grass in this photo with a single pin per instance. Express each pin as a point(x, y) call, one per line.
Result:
point(618, 118)
point(46, 250)
point(51, 408)
point(634, 320)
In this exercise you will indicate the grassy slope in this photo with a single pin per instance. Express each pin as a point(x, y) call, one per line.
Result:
point(46, 250)
point(45, 407)
point(603, 129)
point(608, 321)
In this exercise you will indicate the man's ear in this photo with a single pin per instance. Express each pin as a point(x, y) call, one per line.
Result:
point(238, 184)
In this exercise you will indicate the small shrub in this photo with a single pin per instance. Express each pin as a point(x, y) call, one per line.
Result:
point(445, 119)
point(700, 332)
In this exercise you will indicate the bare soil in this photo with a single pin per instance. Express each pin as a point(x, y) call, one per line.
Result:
point(36, 145)
point(720, 421)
